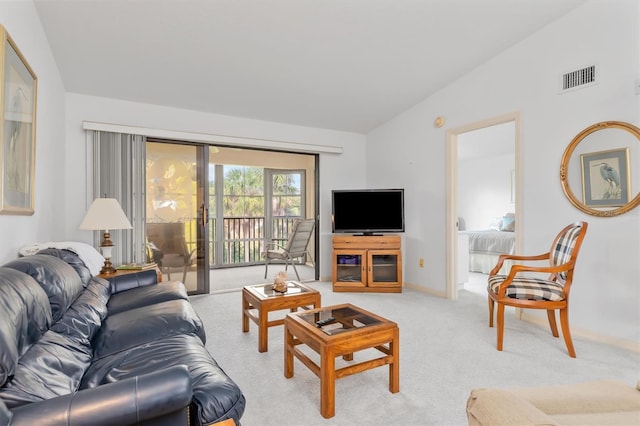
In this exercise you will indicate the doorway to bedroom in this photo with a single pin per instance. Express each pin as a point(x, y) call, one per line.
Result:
point(483, 200)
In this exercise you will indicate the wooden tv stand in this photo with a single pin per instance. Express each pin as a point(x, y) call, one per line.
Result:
point(367, 263)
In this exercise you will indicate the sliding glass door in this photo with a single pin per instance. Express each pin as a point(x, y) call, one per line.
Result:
point(176, 212)
point(210, 207)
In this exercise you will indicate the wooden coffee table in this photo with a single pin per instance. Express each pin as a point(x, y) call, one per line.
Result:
point(352, 329)
point(263, 299)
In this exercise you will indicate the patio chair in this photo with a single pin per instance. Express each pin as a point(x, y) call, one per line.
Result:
point(171, 250)
point(295, 247)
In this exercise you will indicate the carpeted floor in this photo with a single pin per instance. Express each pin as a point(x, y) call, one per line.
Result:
point(446, 349)
point(234, 278)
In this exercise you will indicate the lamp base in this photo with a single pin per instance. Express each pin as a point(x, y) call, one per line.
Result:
point(106, 247)
point(107, 268)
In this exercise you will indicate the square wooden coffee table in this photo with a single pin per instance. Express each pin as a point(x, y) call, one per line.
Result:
point(340, 330)
point(263, 299)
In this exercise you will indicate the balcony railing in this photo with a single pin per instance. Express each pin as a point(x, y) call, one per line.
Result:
point(243, 239)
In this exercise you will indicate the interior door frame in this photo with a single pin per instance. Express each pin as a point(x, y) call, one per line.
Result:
point(452, 192)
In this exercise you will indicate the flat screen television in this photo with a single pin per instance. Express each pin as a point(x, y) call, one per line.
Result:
point(367, 211)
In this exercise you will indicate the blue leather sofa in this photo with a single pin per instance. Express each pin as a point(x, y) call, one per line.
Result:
point(77, 349)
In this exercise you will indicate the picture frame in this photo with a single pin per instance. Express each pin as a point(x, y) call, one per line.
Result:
point(18, 92)
point(606, 178)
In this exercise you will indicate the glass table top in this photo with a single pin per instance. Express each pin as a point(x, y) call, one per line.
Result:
point(339, 320)
point(266, 290)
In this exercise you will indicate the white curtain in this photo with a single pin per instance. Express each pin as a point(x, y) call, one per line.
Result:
point(119, 172)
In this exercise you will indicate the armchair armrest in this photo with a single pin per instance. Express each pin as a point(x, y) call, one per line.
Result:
point(275, 245)
point(503, 257)
point(159, 398)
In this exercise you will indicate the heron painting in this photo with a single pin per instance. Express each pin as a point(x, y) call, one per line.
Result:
point(17, 137)
point(611, 178)
point(605, 178)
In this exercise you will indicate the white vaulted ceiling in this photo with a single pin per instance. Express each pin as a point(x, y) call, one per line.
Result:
point(338, 64)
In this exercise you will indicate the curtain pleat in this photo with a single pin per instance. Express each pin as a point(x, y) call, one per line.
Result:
point(119, 172)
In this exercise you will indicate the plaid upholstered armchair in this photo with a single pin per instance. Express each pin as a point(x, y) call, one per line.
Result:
point(523, 287)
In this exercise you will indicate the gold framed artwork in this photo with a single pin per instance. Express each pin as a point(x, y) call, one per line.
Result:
point(18, 89)
point(605, 178)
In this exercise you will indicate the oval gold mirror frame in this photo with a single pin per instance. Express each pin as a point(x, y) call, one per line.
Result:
point(564, 169)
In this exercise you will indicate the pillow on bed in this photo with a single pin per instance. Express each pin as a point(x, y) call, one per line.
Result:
point(496, 224)
point(508, 222)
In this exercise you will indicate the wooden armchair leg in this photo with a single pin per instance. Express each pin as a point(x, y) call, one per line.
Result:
point(500, 330)
point(551, 315)
point(564, 323)
point(490, 311)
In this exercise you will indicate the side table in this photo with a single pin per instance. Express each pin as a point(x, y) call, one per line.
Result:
point(335, 331)
point(263, 299)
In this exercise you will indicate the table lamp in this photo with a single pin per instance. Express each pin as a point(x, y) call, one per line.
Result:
point(105, 214)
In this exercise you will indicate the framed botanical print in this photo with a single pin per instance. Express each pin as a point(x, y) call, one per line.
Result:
point(18, 88)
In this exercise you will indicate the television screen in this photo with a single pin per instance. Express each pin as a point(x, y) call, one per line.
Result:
point(367, 211)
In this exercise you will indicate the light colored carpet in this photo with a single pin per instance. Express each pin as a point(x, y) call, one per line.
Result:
point(446, 349)
point(234, 278)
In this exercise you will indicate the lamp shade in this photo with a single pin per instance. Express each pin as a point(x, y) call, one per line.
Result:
point(105, 214)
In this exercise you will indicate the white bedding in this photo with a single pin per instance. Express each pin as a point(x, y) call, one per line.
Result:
point(485, 246)
point(491, 242)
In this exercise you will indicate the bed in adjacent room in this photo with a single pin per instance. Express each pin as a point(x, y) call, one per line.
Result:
point(486, 245)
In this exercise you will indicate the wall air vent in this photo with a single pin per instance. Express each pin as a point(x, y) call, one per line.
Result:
point(578, 79)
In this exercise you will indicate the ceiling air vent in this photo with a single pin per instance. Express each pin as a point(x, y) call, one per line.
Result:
point(577, 79)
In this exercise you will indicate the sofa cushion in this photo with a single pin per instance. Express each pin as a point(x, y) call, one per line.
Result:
point(215, 396)
point(52, 367)
point(592, 403)
point(496, 407)
point(616, 418)
point(590, 397)
point(59, 280)
point(25, 315)
point(146, 295)
point(5, 414)
point(528, 288)
point(137, 326)
point(73, 260)
point(84, 317)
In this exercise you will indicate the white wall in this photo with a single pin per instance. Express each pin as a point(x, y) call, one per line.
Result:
point(23, 25)
point(484, 190)
point(61, 168)
point(335, 169)
point(524, 79)
point(406, 152)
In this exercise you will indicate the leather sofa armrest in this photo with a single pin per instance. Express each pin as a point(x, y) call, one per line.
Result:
point(133, 280)
point(158, 398)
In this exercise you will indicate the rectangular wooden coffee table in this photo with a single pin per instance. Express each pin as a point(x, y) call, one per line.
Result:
point(340, 330)
point(263, 299)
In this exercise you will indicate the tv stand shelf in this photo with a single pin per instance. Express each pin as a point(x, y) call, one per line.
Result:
point(367, 263)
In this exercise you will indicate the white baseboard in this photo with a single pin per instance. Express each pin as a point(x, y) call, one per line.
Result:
point(423, 289)
point(586, 334)
point(543, 322)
